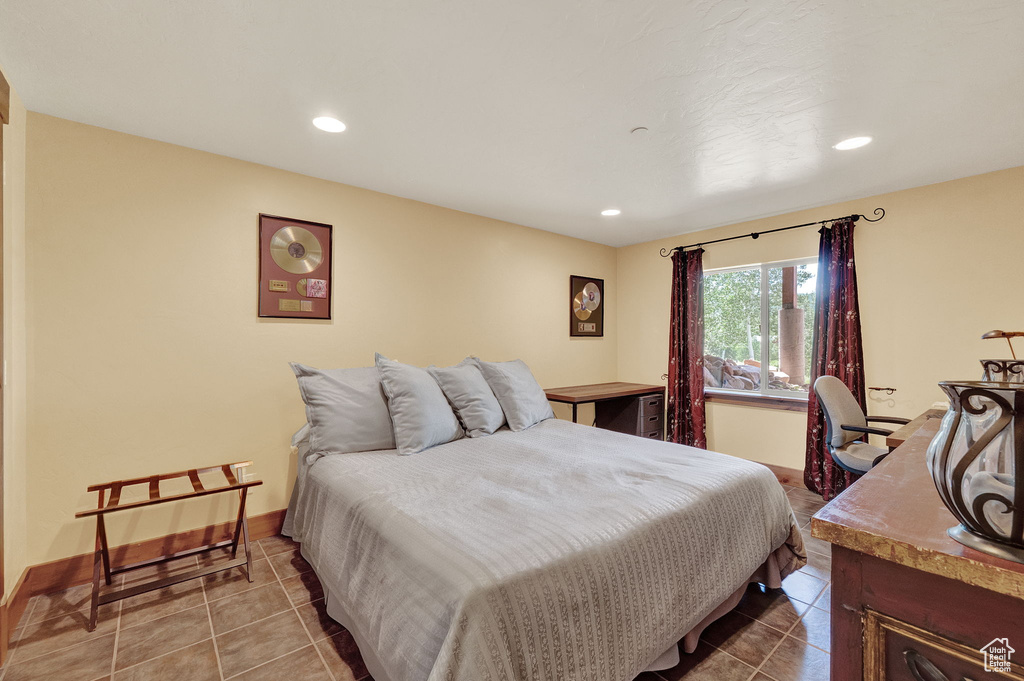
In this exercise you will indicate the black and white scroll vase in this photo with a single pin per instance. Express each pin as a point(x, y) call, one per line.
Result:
point(976, 459)
point(1003, 370)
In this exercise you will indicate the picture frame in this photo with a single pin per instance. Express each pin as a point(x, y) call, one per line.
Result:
point(295, 268)
point(586, 306)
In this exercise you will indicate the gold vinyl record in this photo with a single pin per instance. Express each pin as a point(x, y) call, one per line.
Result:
point(296, 250)
point(579, 306)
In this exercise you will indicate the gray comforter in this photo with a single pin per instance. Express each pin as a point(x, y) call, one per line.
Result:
point(560, 552)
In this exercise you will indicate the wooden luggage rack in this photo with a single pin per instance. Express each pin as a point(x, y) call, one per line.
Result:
point(110, 501)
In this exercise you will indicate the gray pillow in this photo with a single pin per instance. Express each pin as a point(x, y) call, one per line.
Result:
point(518, 393)
point(420, 413)
point(470, 396)
point(345, 408)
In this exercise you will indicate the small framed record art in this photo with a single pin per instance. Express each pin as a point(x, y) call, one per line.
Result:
point(295, 268)
point(586, 306)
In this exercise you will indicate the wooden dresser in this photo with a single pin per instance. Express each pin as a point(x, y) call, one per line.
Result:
point(908, 602)
point(633, 408)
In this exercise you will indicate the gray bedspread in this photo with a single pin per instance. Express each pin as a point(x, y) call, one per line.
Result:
point(561, 552)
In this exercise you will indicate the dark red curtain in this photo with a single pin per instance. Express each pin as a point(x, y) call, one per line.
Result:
point(686, 420)
point(837, 350)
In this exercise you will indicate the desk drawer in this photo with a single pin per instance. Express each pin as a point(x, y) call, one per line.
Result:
point(649, 422)
point(653, 435)
point(652, 404)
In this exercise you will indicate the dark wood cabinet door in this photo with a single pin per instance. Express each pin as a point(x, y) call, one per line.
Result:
point(895, 650)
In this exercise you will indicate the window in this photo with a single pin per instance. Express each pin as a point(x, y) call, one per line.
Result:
point(759, 328)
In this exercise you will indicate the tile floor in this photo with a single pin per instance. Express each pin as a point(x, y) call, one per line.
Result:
point(215, 628)
point(222, 627)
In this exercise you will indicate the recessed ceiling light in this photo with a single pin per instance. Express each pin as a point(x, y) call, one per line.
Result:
point(611, 211)
point(328, 124)
point(852, 143)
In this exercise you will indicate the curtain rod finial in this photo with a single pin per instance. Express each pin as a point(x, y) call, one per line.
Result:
point(880, 212)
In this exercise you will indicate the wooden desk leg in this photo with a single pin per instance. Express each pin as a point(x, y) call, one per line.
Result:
point(574, 412)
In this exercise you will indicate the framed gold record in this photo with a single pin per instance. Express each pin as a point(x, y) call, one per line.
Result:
point(586, 306)
point(295, 268)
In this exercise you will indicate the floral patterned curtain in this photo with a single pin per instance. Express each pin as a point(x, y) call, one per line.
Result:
point(686, 419)
point(837, 350)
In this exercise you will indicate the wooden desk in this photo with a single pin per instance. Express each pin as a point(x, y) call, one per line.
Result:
point(634, 408)
point(901, 583)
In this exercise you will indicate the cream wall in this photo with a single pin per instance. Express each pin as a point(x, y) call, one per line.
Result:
point(936, 273)
point(14, 430)
point(146, 353)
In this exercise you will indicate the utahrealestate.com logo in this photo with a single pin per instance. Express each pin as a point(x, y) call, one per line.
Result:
point(997, 655)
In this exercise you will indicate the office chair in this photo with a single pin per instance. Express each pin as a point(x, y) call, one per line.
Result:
point(845, 420)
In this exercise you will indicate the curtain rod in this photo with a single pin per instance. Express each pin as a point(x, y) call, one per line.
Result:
point(880, 212)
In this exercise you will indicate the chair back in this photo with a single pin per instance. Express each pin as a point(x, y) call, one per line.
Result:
point(840, 408)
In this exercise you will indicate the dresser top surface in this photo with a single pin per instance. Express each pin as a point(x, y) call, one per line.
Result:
point(894, 513)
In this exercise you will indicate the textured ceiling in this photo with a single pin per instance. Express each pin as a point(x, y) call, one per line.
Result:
point(522, 111)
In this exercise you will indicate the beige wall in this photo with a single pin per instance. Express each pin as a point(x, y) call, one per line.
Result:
point(937, 272)
point(146, 352)
point(14, 431)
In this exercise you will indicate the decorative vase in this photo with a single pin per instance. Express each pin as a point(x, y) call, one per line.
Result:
point(975, 460)
point(1003, 370)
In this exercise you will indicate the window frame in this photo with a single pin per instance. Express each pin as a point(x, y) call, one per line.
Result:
point(765, 397)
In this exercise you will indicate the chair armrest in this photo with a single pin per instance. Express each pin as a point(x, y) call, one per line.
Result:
point(889, 419)
point(878, 459)
point(869, 431)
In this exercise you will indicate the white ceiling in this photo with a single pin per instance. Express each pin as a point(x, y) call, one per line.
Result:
point(522, 110)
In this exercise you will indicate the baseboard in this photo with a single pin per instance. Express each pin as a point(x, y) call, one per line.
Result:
point(10, 614)
point(787, 476)
point(68, 572)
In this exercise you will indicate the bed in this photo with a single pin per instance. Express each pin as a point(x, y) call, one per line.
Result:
point(559, 552)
